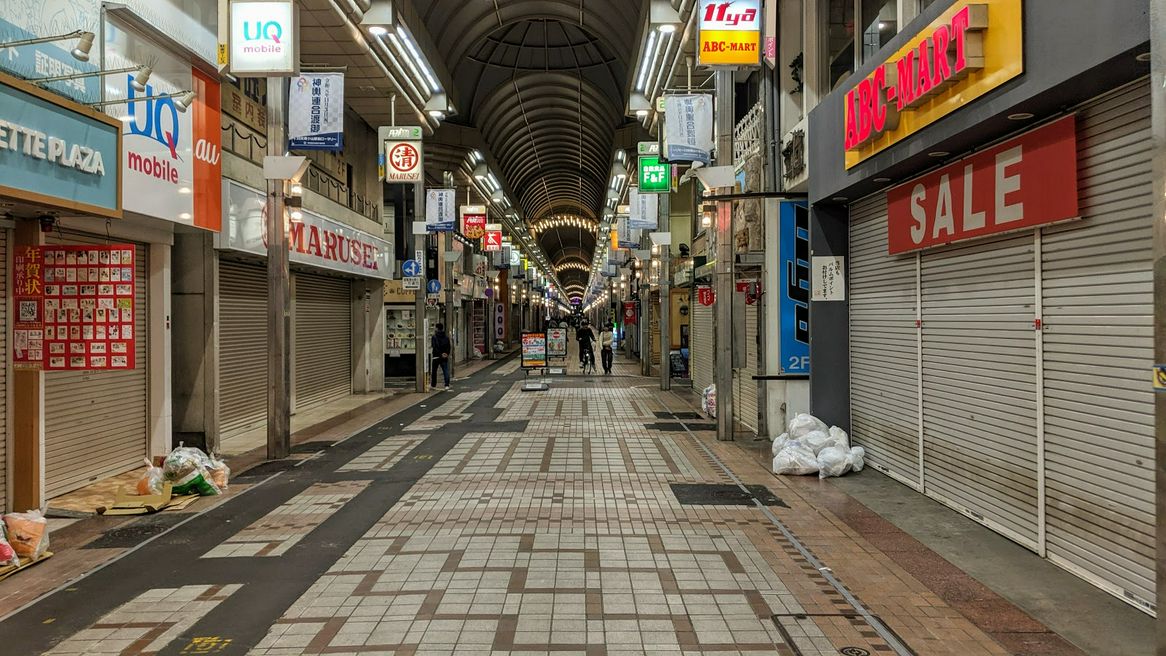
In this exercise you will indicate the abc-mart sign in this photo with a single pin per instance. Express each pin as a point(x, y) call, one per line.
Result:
point(265, 39)
point(971, 49)
point(730, 32)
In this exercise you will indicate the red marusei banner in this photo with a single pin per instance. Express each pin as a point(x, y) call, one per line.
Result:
point(1022, 183)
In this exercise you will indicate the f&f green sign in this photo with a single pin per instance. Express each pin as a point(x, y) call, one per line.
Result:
point(655, 178)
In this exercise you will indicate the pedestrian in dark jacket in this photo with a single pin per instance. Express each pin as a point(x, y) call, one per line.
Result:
point(440, 346)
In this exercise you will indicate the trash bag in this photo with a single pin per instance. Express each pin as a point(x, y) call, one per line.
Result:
point(220, 473)
point(28, 533)
point(795, 460)
point(833, 462)
point(8, 557)
point(857, 458)
point(780, 442)
point(816, 441)
point(708, 401)
point(841, 439)
point(196, 482)
point(152, 481)
point(803, 424)
point(184, 461)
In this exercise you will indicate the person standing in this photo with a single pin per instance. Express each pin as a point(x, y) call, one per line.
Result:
point(607, 344)
point(440, 346)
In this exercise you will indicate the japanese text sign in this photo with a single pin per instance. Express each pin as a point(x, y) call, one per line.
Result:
point(730, 32)
point(440, 210)
point(1022, 183)
point(403, 161)
point(655, 177)
point(493, 239)
point(474, 221)
point(316, 112)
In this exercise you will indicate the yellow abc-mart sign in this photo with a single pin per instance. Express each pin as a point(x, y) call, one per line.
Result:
point(730, 33)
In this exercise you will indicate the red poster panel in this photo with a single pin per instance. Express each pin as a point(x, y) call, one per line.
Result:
point(1022, 183)
point(206, 121)
point(28, 331)
point(629, 314)
point(473, 225)
point(493, 241)
point(706, 296)
point(89, 307)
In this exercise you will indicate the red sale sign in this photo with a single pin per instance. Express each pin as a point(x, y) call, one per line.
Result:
point(493, 241)
point(706, 296)
point(1022, 183)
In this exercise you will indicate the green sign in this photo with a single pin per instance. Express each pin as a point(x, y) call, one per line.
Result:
point(655, 178)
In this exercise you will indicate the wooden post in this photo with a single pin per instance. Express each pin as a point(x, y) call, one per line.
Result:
point(28, 412)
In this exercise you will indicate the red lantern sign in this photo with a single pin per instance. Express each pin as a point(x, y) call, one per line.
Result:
point(629, 314)
point(705, 296)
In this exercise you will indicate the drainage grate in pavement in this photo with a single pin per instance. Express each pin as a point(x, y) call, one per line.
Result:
point(268, 468)
point(134, 534)
point(678, 427)
point(311, 447)
point(793, 629)
point(701, 494)
point(677, 415)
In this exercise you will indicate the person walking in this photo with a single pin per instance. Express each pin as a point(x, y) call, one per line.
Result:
point(440, 347)
point(607, 345)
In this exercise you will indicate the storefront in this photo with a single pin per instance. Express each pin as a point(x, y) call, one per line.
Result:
point(989, 275)
point(336, 270)
point(63, 158)
point(400, 331)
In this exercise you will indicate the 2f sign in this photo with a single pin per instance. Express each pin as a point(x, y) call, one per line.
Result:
point(1023, 183)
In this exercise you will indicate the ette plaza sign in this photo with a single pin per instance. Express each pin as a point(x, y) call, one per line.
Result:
point(972, 48)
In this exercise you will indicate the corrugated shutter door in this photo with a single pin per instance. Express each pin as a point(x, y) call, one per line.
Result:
point(242, 347)
point(745, 392)
point(884, 345)
point(701, 351)
point(323, 325)
point(1098, 345)
point(97, 422)
point(4, 266)
point(979, 381)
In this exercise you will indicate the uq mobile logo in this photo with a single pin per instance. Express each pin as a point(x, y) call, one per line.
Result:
point(721, 14)
point(263, 31)
point(155, 119)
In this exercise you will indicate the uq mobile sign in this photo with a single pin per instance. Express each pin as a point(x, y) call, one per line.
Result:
point(971, 49)
point(265, 39)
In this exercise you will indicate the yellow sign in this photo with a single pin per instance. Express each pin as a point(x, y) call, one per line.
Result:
point(1160, 378)
point(395, 292)
point(972, 48)
point(224, 56)
point(730, 33)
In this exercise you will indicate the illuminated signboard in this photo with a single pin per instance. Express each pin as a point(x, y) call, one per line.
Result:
point(730, 32)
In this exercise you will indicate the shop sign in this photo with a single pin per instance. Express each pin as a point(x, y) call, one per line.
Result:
point(316, 112)
point(403, 161)
point(688, 128)
point(1022, 183)
point(971, 49)
point(493, 242)
point(629, 313)
point(706, 296)
point(473, 221)
point(557, 343)
point(730, 32)
point(264, 38)
point(313, 240)
point(794, 277)
point(74, 308)
point(52, 154)
point(440, 210)
point(206, 115)
point(645, 211)
point(655, 177)
point(499, 321)
point(395, 292)
point(534, 350)
point(29, 20)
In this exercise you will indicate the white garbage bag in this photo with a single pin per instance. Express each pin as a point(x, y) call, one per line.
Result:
point(780, 442)
point(708, 401)
point(804, 424)
point(841, 439)
point(817, 440)
point(833, 462)
point(857, 458)
point(795, 460)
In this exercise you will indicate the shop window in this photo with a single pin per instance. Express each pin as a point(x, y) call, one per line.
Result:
point(839, 41)
point(880, 21)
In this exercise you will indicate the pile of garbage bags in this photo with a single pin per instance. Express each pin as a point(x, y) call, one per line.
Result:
point(23, 535)
point(708, 401)
point(189, 471)
point(810, 447)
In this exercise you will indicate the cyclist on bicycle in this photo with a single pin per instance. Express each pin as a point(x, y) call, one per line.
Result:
point(586, 338)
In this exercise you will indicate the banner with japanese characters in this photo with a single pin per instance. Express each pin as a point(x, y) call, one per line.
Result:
point(316, 112)
point(440, 210)
point(644, 210)
point(75, 307)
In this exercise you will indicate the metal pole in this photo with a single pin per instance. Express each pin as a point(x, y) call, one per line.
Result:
point(723, 360)
point(449, 313)
point(1158, 98)
point(417, 246)
point(665, 225)
point(278, 284)
point(646, 320)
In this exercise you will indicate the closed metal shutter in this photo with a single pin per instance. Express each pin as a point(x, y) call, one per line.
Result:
point(884, 345)
point(979, 382)
point(745, 389)
point(4, 266)
point(1098, 346)
point(242, 347)
point(97, 422)
point(701, 350)
point(654, 330)
point(323, 347)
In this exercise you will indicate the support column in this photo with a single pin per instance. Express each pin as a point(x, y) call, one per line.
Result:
point(278, 284)
point(646, 320)
point(1158, 98)
point(665, 225)
point(723, 354)
point(417, 250)
point(449, 312)
point(28, 411)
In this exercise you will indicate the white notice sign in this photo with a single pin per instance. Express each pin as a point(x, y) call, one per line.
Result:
point(829, 279)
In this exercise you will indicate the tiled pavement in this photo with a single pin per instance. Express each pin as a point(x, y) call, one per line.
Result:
point(498, 522)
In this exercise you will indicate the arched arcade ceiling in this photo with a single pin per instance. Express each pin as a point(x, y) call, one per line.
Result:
point(544, 82)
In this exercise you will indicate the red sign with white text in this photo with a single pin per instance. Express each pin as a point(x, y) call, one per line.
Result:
point(706, 296)
point(28, 301)
point(629, 314)
point(493, 241)
point(206, 118)
point(1023, 183)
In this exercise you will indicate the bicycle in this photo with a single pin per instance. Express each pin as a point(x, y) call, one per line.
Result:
point(588, 362)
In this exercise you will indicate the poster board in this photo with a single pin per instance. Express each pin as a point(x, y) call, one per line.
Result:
point(557, 343)
point(534, 350)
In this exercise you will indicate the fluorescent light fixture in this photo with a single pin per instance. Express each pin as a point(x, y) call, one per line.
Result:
point(378, 30)
point(416, 54)
point(649, 55)
point(481, 172)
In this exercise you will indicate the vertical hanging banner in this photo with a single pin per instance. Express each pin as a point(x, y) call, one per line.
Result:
point(473, 221)
point(315, 118)
point(794, 288)
point(688, 128)
point(493, 238)
point(440, 210)
point(206, 116)
point(28, 332)
point(730, 33)
point(627, 238)
point(644, 210)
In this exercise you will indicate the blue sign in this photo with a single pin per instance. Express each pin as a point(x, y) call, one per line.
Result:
point(411, 269)
point(794, 288)
point(433, 286)
point(48, 60)
point(53, 155)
